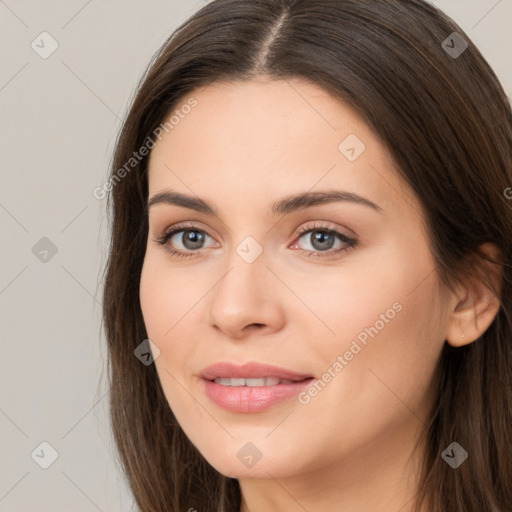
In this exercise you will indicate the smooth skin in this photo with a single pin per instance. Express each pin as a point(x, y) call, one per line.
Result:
point(244, 147)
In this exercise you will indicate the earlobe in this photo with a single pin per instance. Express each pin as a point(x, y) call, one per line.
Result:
point(478, 307)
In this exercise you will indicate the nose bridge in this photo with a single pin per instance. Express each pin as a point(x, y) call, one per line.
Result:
point(247, 274)
point(243, 295)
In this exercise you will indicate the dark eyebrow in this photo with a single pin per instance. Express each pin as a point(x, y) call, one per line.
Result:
point(193, 203)
point(308, 199)
point(286, 205)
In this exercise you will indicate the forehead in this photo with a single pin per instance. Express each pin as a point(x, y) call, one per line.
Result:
point(270, 138)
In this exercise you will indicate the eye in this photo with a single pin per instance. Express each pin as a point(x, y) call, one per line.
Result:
point(322, 238)
point(192, 238)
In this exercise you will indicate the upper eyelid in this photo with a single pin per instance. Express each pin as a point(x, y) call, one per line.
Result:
point(184, 227)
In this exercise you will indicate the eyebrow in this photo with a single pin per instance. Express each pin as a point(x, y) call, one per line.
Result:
point(286, 205)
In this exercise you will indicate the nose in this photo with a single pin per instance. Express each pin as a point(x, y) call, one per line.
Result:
point(247, 298)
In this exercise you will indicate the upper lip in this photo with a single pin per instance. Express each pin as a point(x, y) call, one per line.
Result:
point(250, 370)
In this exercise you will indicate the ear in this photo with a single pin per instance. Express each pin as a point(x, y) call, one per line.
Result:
point(475, 308)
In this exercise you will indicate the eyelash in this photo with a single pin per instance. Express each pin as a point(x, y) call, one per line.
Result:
point(163, 240)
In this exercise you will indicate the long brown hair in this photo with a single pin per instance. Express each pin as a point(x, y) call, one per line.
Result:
point(447, 124)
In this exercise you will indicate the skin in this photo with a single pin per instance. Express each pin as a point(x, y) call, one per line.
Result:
point(243, 147)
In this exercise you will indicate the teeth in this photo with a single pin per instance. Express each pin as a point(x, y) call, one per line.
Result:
point(223, 381)
point(265, 381)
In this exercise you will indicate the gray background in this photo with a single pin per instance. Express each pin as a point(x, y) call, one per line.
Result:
point(60, 117)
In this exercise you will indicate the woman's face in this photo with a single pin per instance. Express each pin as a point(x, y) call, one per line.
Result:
point(337, 291)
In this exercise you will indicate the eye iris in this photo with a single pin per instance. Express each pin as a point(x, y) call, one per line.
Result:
point(320, 237)
point(195, 237)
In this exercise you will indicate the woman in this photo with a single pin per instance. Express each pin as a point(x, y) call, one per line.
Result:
point(308, 295)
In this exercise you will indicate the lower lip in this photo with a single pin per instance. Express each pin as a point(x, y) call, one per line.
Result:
point(249, 399)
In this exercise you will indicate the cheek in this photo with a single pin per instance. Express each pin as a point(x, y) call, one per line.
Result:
point(381, 325)
point(366, 301)
point(167, 301)
point(375, 376)
point(383, 359)
point(165, 295)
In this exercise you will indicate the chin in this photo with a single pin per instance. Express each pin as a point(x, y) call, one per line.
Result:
point(241, 464)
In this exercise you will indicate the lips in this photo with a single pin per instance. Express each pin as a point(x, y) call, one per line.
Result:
point(225, 370)
point(252, 387)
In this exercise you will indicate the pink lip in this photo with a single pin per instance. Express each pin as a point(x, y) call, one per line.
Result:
point(247, 399)
point(250, 370)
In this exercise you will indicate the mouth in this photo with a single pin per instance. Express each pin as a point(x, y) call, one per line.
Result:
point(255, 382)
point(251, 387)
point(251, 374)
